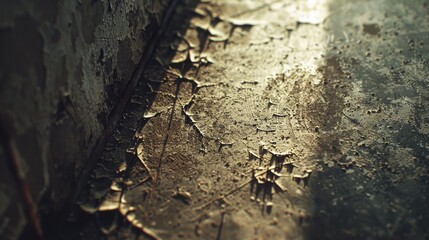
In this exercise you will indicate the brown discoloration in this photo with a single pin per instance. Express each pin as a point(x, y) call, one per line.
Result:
point(371, 29)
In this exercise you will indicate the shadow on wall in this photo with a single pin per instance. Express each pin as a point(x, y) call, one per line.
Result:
point(374, 133)
point(63, 67)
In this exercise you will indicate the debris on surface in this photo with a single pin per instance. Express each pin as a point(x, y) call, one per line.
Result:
point(182, 195)
point(254, 125)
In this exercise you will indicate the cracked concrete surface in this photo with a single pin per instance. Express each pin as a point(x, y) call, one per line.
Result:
point(273, 120)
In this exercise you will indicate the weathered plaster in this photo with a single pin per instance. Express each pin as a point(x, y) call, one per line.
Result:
point(63, 67)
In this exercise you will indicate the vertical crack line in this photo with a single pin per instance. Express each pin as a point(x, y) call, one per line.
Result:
point(219, 230)
point(167, 136)
point(116, 113)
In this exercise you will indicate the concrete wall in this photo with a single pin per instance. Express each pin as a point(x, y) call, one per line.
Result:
point(63, 65)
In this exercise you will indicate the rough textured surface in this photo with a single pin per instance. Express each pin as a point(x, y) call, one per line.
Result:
point(63, 66)
point(273, 120)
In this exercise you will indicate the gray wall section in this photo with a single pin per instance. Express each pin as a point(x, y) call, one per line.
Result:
point(63, 65)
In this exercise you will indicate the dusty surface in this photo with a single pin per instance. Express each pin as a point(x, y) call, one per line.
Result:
point(273, 120)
